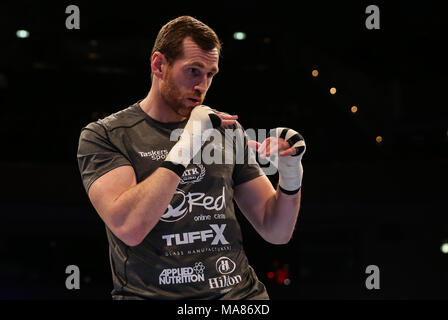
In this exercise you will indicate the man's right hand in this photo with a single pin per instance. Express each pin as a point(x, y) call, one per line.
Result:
point(197, 130)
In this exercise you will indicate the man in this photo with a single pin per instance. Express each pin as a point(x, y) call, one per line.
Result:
point(170, 221)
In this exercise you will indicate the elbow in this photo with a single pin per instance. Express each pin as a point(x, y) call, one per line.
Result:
point(131, 241)
point(132, 237)
point(277, 236)
point(129, 232)
point(277, 239)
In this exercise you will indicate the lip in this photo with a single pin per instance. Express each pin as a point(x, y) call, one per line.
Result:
point(194, 101)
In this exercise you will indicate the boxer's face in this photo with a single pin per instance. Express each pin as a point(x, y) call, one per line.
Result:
point(187, 80)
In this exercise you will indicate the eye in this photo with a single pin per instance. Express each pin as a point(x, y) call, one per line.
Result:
point(193, 71)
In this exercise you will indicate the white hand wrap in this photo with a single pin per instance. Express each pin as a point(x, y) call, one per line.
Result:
point(290, 168)
point(196, 132)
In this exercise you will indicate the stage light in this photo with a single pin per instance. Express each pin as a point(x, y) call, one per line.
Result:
point(92, 56)
point(315, 73)
point(287, 282)
point(379, 139)
point(22, 34)
point(239, 36)
point(281, 275)
point(271, 275)
point(354, 109)
point(444, 248)
point(333, 90)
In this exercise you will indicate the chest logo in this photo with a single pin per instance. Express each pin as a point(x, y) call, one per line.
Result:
point(194, 173)
point(183, 203)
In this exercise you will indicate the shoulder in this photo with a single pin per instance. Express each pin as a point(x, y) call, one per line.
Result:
point(239, 130)
point(124, 118)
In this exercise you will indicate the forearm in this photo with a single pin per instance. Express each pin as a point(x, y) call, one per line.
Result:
point(142, 205)
point(139, 208)
point(280, 218)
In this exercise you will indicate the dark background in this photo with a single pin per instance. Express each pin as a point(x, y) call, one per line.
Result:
point(363, 202)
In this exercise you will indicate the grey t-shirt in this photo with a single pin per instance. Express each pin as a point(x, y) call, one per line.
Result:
point(195, 251)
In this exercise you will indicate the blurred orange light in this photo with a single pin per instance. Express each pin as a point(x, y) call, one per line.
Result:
point(333, 90)
point(315, 73)
point(92, 56)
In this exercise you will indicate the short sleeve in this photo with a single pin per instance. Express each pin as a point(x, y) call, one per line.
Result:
point(97, 155)
point(249, 168)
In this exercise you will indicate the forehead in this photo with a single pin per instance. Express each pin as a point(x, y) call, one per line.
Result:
point(194, 53)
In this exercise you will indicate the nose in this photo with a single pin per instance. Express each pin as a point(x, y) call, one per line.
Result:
point(202, 86)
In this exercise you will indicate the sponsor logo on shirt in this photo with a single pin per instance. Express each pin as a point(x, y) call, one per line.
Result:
point(154, 154)
point(216, 233)
point(182, 275)
point(224, 266)
point(184, 203)
point(194, 173)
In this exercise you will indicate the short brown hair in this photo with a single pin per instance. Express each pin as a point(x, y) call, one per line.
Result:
point(170, 38)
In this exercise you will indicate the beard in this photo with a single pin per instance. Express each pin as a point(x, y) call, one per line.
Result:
point(173, 97)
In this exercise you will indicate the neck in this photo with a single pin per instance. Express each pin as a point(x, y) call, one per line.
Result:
point(157, 109)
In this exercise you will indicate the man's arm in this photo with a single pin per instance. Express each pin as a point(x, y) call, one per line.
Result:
point(131, 210)
point(272, 213)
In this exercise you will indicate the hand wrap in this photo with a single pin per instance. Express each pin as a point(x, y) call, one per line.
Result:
point(290, 168)
point(196, 132)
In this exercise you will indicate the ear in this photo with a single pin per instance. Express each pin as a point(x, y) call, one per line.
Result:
point(158, 60)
